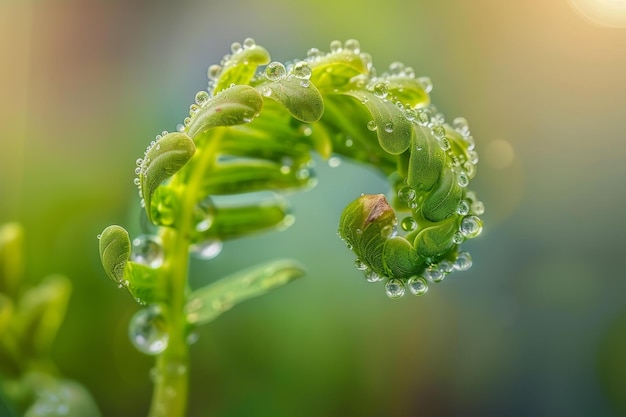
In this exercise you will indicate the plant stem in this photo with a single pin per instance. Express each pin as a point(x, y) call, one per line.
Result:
point(171, 381)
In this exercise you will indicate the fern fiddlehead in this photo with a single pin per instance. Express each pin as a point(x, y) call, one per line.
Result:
point(253, 131)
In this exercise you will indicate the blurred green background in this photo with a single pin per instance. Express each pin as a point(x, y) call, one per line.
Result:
point(536, 327)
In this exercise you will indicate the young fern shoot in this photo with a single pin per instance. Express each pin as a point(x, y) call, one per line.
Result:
point(255, 130)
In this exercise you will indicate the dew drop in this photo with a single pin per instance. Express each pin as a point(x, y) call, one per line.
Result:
point(137, 170)
point(139, 162)
point(388, 231)
point(235, 47)
point(249, 43)
point(214, 72)
point(371, 125)
point(434, 274)
point(463, 208)
point(381, 91)
point(396, 68)
point(99, 236)
point(334, 162)
point(206, 250)
point(408, 224)
point(335, 46)
point(147, 250)
point(136, 181)
point(463, 261)
point(360, 265)
point(371, 276)
point(148, 331)
point(394, 288)
point(406, 194)
point(313, 54)
point(203, 215)
point(187, 121)
point(439, 132)
point(353, 46)
point(275, 71)
point(471, 226)
point(301, 70)
point(266, 91)
point(458, 238)
point(444, 144)
point(417, 285)
point(426, 84)
point(410, 114)
point(478, 208)
point(422, 118)
point(389, 127)
point(202, 97)
point(445, 266)
point(463, 180)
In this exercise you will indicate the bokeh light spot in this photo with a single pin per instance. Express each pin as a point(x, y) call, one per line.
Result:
point(499, 154)
point(611, 13)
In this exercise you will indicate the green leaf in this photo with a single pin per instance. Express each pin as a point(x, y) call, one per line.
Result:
point(243, 176)
point(11, 257)
point(236, 220)
point(6, 313)
point(62, 398)
point(207, 303)
point(394, 130)
point(334, 72)
point(400, 260)
point(426, 162)
point(241, 66)
point(300, 97)
point(114, 251)
point(409, 91)
point(40, 312)
point(162, 160)
point(366, 224)
point(444, 200)
point(233, 106)
point(144, 283)
point(436, 240)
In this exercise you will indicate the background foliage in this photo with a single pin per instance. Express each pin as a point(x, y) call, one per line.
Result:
point(536, 327)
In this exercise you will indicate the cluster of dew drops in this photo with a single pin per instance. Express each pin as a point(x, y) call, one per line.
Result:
point(462, 165)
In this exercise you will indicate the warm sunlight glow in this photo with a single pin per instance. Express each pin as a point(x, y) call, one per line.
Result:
point(611, 13)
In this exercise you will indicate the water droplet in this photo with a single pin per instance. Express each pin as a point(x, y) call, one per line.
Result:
point(305, 83)
point(445, 266)
point(206, 250)
point(235, 47)
point(394, 288)
point(417, 285)
point(426, 84)
point(463, 207)
point(439, 132)
point(371, 276)
point(147, 250)
point(381, 91)
point(458, 238)
point(371, 125)
point(203, 215)
point(214, 72)
point(406, 194)
point(275, 71)
point(444, 144)
point(353, 46)
point(193, 109)
point(408, 224)
point(360, 265)
point(202, 97)
point(334, 162)
point(461, 126)
point(137, 170)
point(301, 70)
point(99, 236)
point(136, 181)
point(139, 162)
point(410, 114)
point(463, 180)
point(266, 91)
point(313, 54)
point(478, 208)
point(434, 274)
point(186, 121)
point(249, 43)
point(349, 142)
point(389, 127)
point(388, 231)
point(335, 46)
point(471, 226)
point(463, 261)
point(422, 118)
point(148, 330)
